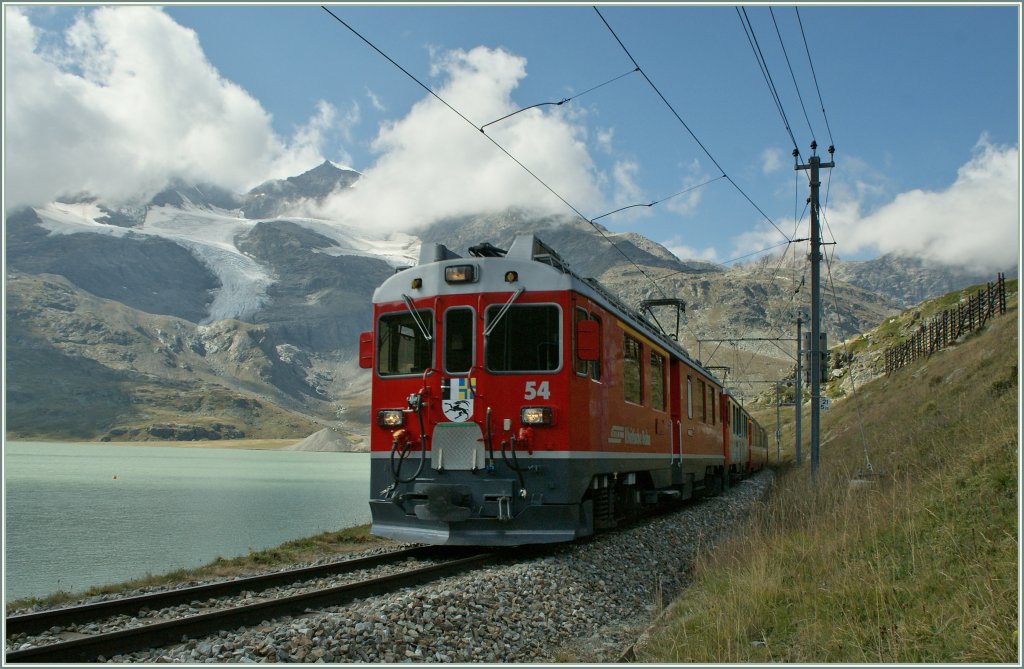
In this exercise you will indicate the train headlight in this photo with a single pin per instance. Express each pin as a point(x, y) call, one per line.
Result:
point(536, 415)
point(460, 274)
point(390, 418)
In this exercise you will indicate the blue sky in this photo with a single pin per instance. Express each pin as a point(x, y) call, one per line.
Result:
point(922, 103)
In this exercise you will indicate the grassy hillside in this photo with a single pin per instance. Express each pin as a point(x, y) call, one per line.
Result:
point(915, 563)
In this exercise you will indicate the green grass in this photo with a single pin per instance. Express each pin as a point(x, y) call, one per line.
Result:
point(329, 544)
point(917, 563)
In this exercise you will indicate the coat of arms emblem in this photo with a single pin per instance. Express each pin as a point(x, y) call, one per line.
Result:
point(457, 399)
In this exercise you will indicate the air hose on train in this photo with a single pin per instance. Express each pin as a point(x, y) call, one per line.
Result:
point(415, 403)
point(514, 465)
point(488, 441)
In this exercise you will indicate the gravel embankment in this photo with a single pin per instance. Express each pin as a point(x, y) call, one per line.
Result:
point(588, 602)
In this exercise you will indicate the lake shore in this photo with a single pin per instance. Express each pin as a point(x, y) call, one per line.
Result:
point(249, 444)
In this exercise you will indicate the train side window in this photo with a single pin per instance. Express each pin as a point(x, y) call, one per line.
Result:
point(582, 366)
point(631, 374)
point(711, 393)
point(595, 365)
point(689, 397)
point(657, 381)
point(401, 346)
point(458, 340)
point(526, 339)
point(703, 403)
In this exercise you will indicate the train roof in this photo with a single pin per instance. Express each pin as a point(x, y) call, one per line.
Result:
point(539, 268)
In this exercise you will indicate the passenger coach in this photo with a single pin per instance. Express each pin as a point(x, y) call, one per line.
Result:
point(515, 402)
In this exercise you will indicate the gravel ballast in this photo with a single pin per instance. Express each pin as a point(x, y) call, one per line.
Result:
point(586, 602)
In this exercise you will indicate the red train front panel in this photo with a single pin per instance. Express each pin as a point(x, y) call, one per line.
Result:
point(513, 405)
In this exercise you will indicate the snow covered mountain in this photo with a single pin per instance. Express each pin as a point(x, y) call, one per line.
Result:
point(202, 313)
point(290, 294)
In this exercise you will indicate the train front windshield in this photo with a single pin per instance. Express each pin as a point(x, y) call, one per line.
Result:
point(404, 343)
point(527, 338)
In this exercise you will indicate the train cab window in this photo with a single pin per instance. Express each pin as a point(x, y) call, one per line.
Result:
point(527, 338)
point(402, 347)
point(458, 340)
point(657, 381)
point(632, 376)
point(689, 397)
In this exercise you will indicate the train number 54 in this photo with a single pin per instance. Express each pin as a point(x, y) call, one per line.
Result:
point(535, 390)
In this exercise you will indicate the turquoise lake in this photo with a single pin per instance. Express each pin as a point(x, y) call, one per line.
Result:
point(81, 515)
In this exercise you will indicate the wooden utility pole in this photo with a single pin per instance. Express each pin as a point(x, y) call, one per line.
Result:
point(814, 164)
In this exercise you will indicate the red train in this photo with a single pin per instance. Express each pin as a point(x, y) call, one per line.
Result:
point(518, 403)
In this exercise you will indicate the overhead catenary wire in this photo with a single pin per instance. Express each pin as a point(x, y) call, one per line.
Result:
point(755, 46)
point(664, 199)
point(684, 124)
point(770, 82)
point(560, 102)
point(792, 74)
point(814, 76)
point(549, 188)
point(496, 144)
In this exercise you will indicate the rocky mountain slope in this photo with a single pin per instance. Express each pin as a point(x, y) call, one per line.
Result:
point(204, 314)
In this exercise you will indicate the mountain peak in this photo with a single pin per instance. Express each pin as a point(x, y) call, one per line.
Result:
point(275, 197)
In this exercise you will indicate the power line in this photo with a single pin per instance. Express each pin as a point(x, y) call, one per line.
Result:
point(499, 146)
point(651, 204)
point(551, 189)
point(560, 102)
point(683, 123)
point(748, 29)
point(791, 73)
point(815, 76)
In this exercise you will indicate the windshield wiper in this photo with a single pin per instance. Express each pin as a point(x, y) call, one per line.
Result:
point(416, 318)
point(501, 314)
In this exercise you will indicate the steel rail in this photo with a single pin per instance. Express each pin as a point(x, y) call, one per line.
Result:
point(39, 621)
point(108, 644)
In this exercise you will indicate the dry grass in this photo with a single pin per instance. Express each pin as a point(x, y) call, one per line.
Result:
point(917, 563)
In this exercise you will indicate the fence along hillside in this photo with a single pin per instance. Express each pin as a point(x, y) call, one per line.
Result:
point(945, 329)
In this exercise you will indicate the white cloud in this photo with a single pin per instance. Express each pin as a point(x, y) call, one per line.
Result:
point(431, 164)
point(604, 139)
point(686, 200)
point(627, 191)
point(771, 161)
point(974, 223)
point(684, 252)
point(375, 101)
point(126, 101)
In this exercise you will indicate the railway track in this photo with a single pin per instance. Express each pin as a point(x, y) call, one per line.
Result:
point(86, 648)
